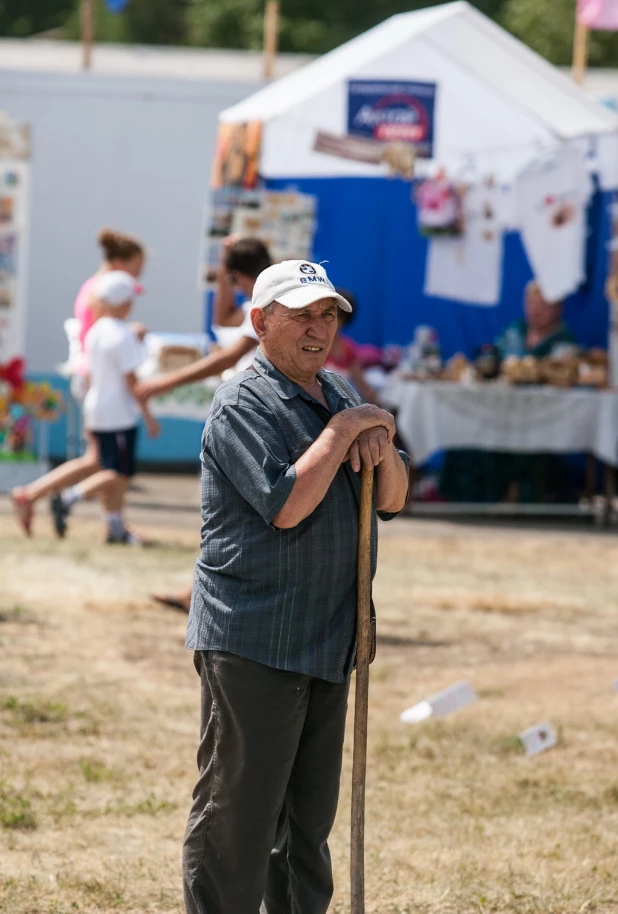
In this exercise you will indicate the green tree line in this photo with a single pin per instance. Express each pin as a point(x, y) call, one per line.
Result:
point(307, 26)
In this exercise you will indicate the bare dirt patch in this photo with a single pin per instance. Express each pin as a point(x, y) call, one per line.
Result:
point(99, 716)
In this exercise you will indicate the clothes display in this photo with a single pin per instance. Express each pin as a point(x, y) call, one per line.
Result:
point(440, 207)
point(469, 268)
point(551, 197)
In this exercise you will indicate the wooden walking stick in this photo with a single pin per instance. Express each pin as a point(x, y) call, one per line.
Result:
point(361, 703)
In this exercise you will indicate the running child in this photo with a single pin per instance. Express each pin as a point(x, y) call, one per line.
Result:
point(111, 410)
point(121, 252)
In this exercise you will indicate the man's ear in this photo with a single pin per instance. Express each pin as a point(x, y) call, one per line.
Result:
point(257, 319)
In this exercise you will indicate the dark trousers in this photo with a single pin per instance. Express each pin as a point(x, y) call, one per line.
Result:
point(265, 802)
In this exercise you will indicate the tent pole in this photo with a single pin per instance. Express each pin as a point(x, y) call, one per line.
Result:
point(271, 37)
point(87, 22)
point(580, 52)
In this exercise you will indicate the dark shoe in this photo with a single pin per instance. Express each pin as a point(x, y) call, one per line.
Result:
point(125, 539)
point(60, 511)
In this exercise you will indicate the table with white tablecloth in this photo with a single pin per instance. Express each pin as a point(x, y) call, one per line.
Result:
point(433, 416)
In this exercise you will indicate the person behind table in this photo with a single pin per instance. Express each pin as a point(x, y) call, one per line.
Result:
point(242, 260)
point(494, 476)
point(541, 333)
point(110, 407)
point(120, 252)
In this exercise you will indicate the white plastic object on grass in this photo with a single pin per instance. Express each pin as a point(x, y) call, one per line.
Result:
point(442, 703)
point(539, 738)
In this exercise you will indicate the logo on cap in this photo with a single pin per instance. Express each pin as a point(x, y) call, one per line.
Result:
point(307, 268)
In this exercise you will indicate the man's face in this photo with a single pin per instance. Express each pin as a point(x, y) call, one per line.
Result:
point(244, 283)
point(297, 341)
point(540, 314)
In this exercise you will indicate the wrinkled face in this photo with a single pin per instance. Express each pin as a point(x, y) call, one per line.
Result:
point(541, 315)
point(297, 341)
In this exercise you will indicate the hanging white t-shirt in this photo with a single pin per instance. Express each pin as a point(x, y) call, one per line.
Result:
point(468, 268)
point(113, 352)
point(551, 197)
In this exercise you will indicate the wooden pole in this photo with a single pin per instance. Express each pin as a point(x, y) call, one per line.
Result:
point(271, 37)
point(361, 703)
point(580, 52)
point(87, 17)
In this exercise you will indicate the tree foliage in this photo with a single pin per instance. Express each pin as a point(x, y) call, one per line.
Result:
point(20, 18)
point(307, 26)
point(141, 22)
point(548, 27)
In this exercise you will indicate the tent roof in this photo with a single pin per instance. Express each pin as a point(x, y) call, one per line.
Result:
point(463, 35)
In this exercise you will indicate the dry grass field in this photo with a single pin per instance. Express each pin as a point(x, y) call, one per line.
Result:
point(99, 714)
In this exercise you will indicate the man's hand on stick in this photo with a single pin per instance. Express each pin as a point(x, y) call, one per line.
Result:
point(369, 449)
point(353, 422)
point(373, 429)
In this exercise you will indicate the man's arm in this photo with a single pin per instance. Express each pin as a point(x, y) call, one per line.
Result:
point(373, 447)
point(391, 482)
point(152, 426)
point(210, 365)
point(318, 466)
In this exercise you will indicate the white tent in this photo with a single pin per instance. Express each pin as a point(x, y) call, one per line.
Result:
point(498, 102)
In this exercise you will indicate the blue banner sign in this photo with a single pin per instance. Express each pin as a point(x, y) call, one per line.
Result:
point(393, 111)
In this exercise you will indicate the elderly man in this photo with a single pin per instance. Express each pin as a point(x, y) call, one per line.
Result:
point(273, 616)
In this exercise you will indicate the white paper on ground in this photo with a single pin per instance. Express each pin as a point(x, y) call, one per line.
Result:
point(538, 738)
point(416, 713)
point(442, 703)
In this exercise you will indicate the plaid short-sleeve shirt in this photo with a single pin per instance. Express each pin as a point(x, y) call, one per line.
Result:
point(284, 598)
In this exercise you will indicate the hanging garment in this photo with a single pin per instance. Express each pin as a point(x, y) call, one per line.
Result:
point(551, 198)
point(469, 268)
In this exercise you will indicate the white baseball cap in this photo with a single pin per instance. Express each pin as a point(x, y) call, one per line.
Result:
point(295, 284)
point(116, 287)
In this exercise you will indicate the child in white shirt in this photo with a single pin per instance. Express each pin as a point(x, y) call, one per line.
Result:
point(111, 410)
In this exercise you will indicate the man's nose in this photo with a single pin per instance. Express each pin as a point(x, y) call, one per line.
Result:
point(318, 328)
